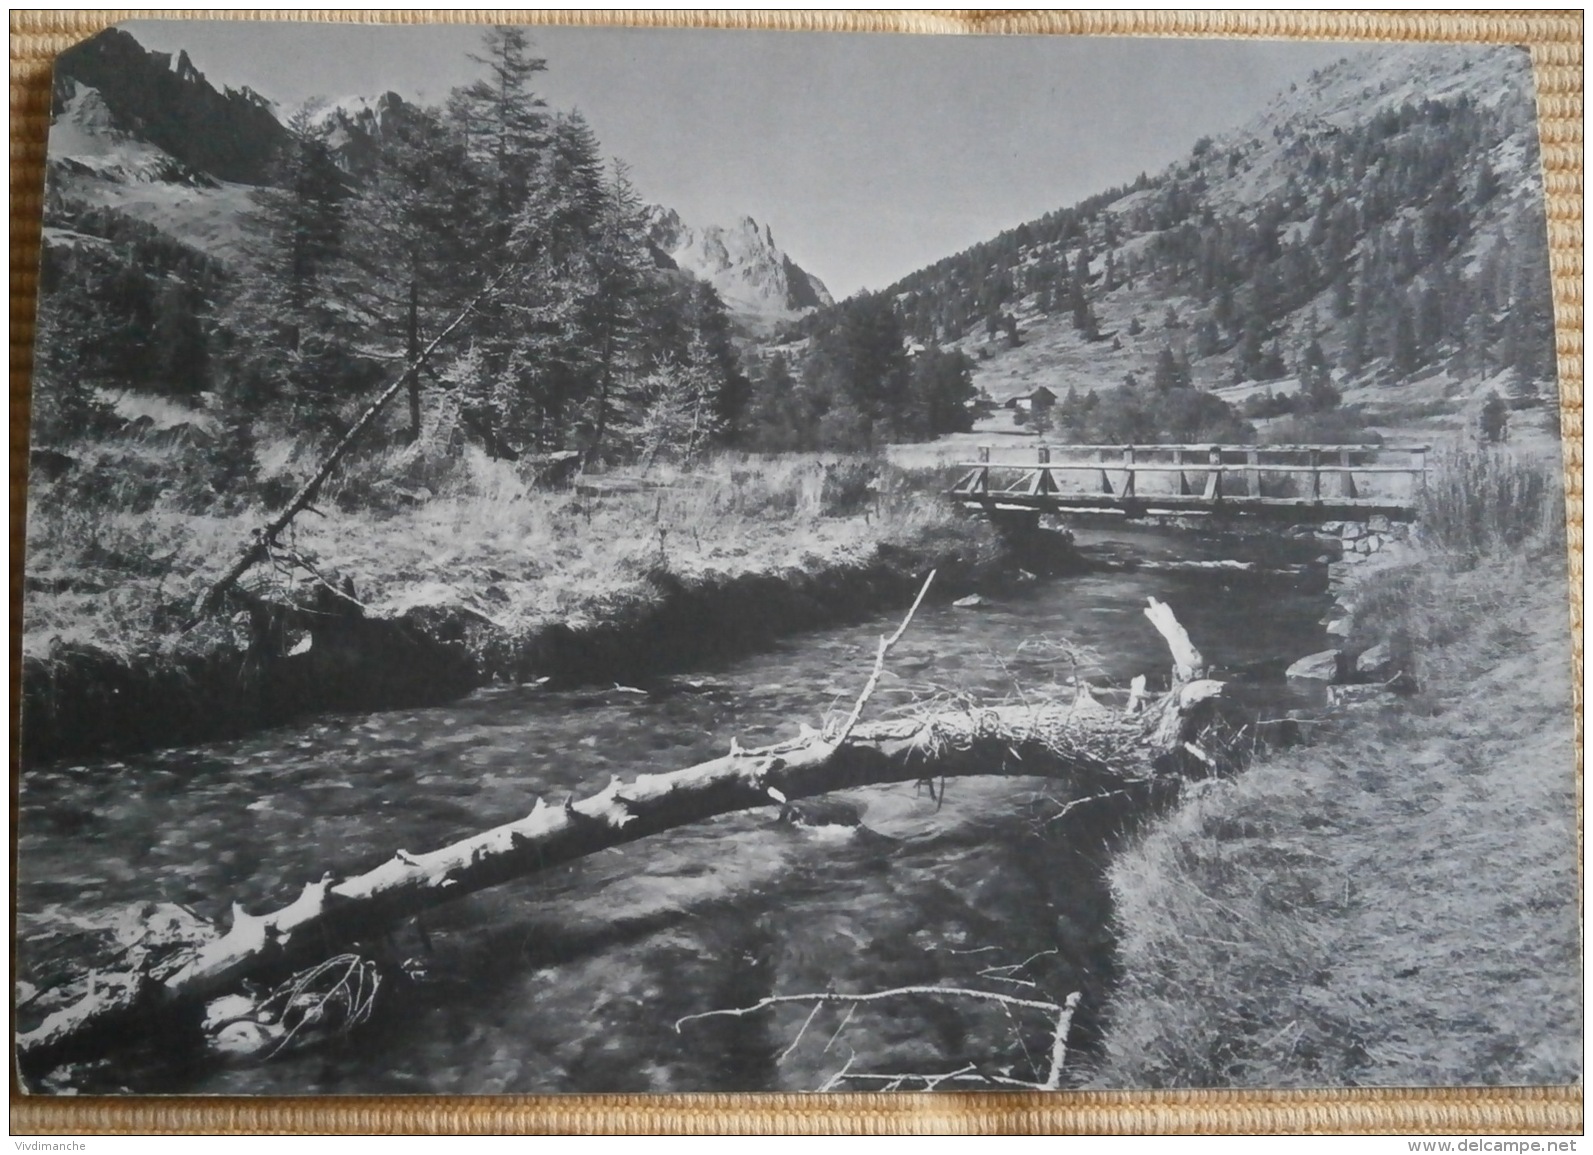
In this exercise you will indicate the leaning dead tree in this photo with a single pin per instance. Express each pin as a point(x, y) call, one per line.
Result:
point(1091, 744)
point(265, 537)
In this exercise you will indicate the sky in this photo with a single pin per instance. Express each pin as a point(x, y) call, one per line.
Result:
point(868, 155)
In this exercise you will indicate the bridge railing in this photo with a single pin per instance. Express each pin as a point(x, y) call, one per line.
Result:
point(1338, 473)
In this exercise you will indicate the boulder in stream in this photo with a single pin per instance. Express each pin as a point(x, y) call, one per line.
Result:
point(1326, 666)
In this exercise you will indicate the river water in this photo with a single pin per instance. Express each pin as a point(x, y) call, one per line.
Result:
point(573, 980)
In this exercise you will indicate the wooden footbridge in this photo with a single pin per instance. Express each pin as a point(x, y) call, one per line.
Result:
point(1291, 483)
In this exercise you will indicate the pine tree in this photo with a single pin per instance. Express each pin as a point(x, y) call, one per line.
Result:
point(778, 420)
point(178, 340)
point(291, 338)
point(620, 261)
point(1171, 372)
point(555, 232)
point(505, 125)
point(506, 134)
point(942, 391)
point(417, 261)
point(1357, 334)
point(1404, 352)
point(1494, 420)
point(1487, 186)
point(1317, 391)
point(1343, 296)
point(1084, 319)
point(713, 348)
point(65, 406)
point(668, 412)
point(1529, 325)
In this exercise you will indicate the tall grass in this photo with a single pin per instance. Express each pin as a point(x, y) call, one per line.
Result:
point(1480, 500)
point(116, 557)
point(1395, 903)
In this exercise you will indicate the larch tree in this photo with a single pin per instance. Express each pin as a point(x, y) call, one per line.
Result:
point(417, 258)
point(290, 336)
point(505, 128)
point(620, 263)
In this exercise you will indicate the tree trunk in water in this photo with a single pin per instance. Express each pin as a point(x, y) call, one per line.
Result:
point(1086, 742)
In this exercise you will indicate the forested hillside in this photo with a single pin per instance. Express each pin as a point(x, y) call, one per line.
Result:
point(1377, 234)
point(1370, 250)
point(366, 239)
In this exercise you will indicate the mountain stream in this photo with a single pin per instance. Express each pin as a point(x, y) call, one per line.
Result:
point(573, 980)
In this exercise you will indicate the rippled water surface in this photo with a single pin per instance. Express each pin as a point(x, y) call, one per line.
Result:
point(573, 980)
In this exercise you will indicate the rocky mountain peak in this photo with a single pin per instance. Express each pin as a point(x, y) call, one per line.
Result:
point(168, 104)
point(355, 125)
point(756, 278)
point(185, 70)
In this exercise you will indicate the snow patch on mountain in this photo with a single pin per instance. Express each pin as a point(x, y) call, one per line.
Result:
point(85, 134)
point(96, 163)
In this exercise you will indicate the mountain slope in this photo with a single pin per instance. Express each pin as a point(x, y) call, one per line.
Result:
point(147, 135)
point(758, 281)
point(230, 134)
point(1381, 221)
point(353, 127)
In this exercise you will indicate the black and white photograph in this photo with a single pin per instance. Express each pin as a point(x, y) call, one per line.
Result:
point(571, 559)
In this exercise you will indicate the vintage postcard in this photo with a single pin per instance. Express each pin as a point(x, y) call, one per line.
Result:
point(568, 560)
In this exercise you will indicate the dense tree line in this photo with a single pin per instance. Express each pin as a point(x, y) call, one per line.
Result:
point(1386, 250)
point(861, 385)
point(121, 305)
point(585, 344)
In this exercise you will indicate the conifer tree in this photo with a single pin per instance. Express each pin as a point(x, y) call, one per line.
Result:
point(65, 407)
point(1529, 324)
point(620, 259)
point(418, 261)
point(291, 337)
point(1404, 353)
point(504, 124)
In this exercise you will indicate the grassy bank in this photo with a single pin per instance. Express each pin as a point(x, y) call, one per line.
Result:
point(474, 567)
point(1396, 903)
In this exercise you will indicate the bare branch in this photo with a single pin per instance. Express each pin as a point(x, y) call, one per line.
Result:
point(1077, 802)
point(885, 645)
point(872, 997)
point(833, 1080)
point(964, 1074)
point(1059, 1042)
point(806, 1023)
point(850, 1011)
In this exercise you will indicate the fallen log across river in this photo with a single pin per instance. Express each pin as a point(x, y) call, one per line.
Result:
point(1091, 744)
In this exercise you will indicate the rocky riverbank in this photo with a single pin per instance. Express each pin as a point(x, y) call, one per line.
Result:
point(1363, 663)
